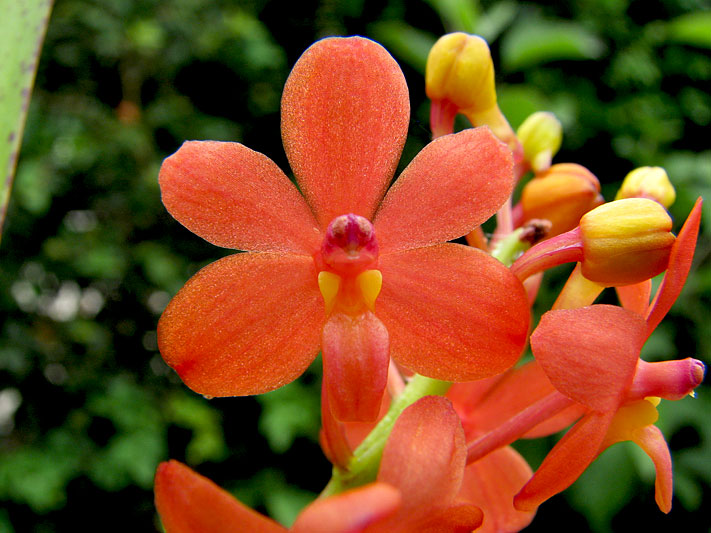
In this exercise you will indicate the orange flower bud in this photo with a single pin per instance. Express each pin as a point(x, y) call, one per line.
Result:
point(562, 194)
point(541, 135)
point(648, 182)
point(460, 69)
point(626, 241)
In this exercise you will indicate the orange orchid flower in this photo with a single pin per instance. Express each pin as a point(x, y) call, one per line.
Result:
point(490, 483)
point(587, 364)
point(318, 256)
point(417, 488)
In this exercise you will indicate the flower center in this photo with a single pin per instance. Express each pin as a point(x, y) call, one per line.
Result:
point(350, 252)
point(349, 246)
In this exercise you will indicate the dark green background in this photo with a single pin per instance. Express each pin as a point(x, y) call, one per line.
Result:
point(90, 257)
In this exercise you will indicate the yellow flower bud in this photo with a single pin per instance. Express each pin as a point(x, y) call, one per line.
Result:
point(562, 194)
point(626, 241)
point(541, 135)
point(648, 182)
point(460, 70)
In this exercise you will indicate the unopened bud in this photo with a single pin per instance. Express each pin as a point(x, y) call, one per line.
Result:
point(562, 194)
point(626, 241)
point(460, 70)
point(541, 135)
point(459, 78)
point(648, 182)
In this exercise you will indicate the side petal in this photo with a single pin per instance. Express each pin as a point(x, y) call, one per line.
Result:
point(651, 440)
point(355, 364)
point(457, 518)
point(635, 297)
point(350, 512)
point(682, 253)
point(590, 354)
point(237, 198)
point(508, 395)
point(454, 184)
point(565, 462)
point(188, 502)
point(453, 312)
point(491, 483)
point(345, 112)
point(425, 454)
point(246, 324)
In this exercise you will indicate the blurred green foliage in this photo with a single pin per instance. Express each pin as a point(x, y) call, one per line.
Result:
point(90, 257)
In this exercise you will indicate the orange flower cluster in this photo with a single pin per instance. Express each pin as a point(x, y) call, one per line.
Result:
point(341, 263)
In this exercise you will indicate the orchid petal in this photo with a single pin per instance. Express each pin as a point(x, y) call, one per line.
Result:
point(456, 518)
point(454, 184)
point(237, 198)
point(453, 312)
point(590, 354)
point(332, 437)
point(491, 483)
point(682, 253)
point(350, 512)
point(424, 455)
point(635, 297)
point(355, 363)
point(345, 112)
point(566, 461)
point(506, 397)
point(246, 324)
point(651, 440)
point(188, 502)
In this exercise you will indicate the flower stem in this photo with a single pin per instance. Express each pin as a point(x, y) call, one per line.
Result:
point(363, 466)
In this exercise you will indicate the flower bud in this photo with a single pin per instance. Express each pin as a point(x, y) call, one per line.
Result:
point(459, 78)
point(626, 241)
point(562, 194)
point(541, 135)
point(648, 182)
point(460, 69)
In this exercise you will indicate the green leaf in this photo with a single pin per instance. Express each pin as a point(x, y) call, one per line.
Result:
point(692, 28)
point(533, 42)
point(22, 27)
point(457, 15)
point(287, 413)
point(405, 42)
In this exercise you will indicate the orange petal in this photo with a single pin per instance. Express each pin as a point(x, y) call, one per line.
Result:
point(345, 112)
point(507, 396)
point(246, 324)
point(590, 354)
point(355, 363)
point(453, 312)
point(236, 198)
point(491, 483)
point(651, 440)
point(349, 512)
point(332, 437)
point(565, 462)
point(454, 184)
point(456, 518)
point(682, 253)
point(424, 455)
point(635, 297)
point(188, 502)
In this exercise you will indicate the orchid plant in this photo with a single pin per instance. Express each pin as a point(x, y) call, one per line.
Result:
point(425, 381)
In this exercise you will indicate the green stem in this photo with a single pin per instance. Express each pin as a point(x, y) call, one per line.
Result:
point(363, 466)
point(510, 247)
